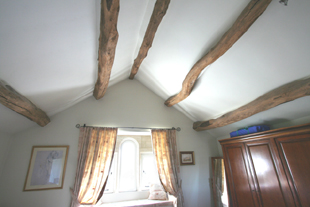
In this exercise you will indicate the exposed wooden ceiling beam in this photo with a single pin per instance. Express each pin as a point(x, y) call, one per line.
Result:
point(20, 104)
point(283, 94)
point(107, 45)
point(248, 16)
point(159, 12)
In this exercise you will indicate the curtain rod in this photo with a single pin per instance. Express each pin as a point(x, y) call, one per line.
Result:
point(178, 128)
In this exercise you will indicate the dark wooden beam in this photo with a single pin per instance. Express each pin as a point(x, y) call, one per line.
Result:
point(20, 104)
point(283, 94)
point(107, 45)
point(159, 12)
point(248, 16)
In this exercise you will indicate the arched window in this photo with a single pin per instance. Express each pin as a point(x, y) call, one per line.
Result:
point(128, 165)
point(133, 168)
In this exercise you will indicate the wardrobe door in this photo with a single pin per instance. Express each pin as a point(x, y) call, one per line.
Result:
point(295, 155)
point(271, 182)
point(240, 182)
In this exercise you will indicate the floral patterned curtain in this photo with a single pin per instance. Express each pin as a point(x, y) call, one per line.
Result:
point(165, 148)
point(95, 154)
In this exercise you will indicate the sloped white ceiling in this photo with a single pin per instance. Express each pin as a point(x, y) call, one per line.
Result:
point(48, 53)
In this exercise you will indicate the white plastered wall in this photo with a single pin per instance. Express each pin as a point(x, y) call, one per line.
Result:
point(128, 103)
point(5, 142)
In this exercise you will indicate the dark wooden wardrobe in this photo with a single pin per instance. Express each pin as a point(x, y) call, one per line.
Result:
point(269, 169)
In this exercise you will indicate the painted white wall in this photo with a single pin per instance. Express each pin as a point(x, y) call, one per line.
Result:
point(5, 142)
point(128, 103)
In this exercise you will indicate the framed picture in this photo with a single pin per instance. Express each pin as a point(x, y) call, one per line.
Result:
point(47, 168)
point(187, 158)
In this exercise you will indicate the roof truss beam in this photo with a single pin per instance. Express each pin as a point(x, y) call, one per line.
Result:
point(248, 16)
point(107, 45)
point(20, 104)
point(283, 94)
point(159, 12)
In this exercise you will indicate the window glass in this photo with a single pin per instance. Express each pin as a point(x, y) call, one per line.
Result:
point(110, 186)
point(128, 161)
point(149, 173)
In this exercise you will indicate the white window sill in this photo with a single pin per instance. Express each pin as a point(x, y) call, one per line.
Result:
point(140, 203)
point(124, 196)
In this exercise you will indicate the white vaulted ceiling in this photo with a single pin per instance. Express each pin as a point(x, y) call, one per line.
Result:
point(49, 49)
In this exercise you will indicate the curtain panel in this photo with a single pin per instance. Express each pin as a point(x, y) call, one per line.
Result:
point(165, 149)
point(95, 154)
point(219, 180)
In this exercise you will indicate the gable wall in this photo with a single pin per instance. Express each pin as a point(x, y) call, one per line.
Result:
point(5, 142)
point(127, 104)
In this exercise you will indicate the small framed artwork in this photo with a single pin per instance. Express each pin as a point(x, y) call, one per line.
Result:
point(187, 158)
point(47, 167)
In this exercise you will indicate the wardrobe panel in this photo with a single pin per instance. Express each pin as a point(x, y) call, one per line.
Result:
point(240, 181)
point(296, 156)
point(265, 171)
